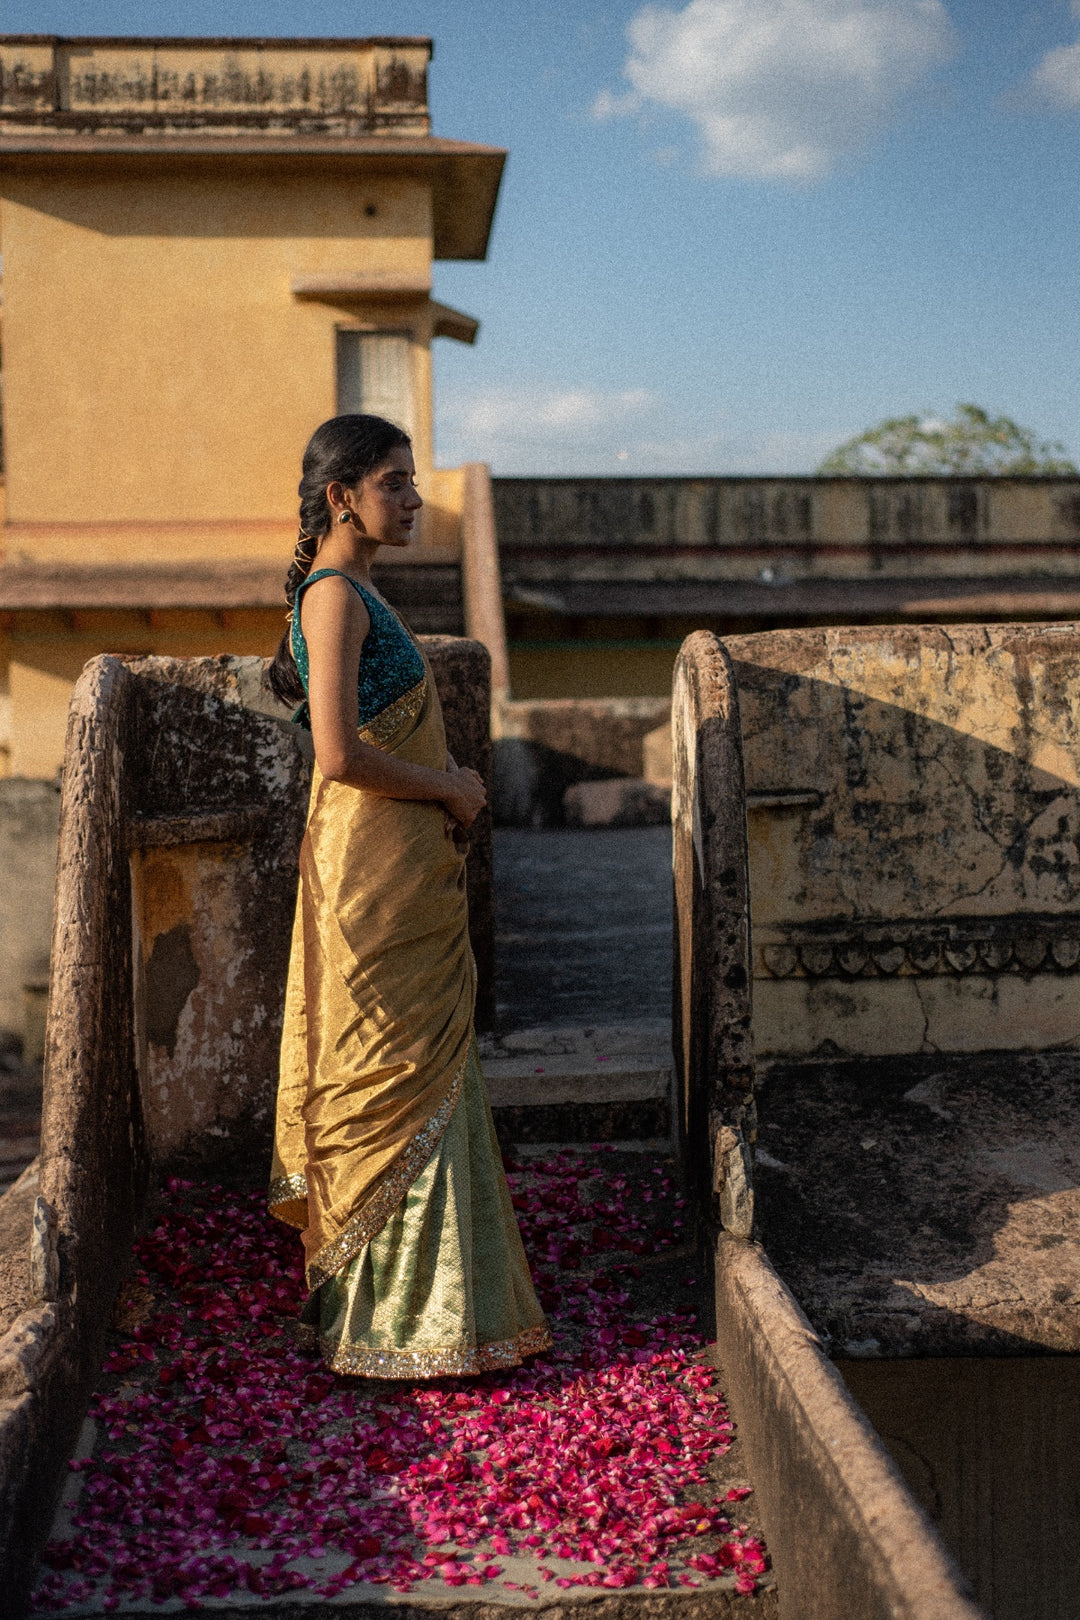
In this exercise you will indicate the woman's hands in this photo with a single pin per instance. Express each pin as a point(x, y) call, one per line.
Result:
point(465, 797)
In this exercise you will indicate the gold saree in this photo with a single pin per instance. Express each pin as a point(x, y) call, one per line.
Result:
point(378, 1058)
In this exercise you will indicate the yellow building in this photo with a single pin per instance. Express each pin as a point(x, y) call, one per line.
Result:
point(209, 246)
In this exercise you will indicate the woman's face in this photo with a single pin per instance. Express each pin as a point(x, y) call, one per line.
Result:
point(386, 500)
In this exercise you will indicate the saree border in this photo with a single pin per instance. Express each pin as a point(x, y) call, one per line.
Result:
point(405, 709)
point(286, 1190)
point(452, 1362)
point(369, 1220)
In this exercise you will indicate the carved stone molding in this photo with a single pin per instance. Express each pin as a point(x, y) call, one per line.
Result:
point(1024, 943)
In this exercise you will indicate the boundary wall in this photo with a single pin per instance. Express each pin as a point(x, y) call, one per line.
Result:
point(846, 1536)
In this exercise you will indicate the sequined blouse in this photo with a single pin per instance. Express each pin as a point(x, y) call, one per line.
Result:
point(390, 661)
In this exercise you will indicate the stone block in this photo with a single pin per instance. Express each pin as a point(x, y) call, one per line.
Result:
point(624, 801)
point(545, 745)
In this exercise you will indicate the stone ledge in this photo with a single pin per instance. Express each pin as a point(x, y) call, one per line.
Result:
point(209, 826)
point(519, 1082)
point(847, 1539)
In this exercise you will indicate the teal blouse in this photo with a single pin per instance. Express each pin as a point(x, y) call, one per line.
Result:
point(390, 661)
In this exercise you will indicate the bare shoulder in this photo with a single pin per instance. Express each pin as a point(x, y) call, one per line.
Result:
point(333, 605)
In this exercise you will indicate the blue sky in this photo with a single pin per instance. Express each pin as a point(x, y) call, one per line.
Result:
point(733, 233)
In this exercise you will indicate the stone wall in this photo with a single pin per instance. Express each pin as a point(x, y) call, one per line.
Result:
point(844, 1535)
point(30, 809)
point(94, 1163)
point(711, 1031)
point(215, 839)
point(914, 824)
point(545, 745)
point(554, 530)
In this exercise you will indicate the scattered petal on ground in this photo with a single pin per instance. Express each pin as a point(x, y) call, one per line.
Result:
point(227, 1455)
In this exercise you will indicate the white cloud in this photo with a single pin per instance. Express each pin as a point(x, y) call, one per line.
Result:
point(534, 431)
point(780, 89)
point(1056, 80)
point(551, 413)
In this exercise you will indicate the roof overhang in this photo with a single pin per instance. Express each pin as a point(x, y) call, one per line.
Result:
point(464, 177)
point(350, 287)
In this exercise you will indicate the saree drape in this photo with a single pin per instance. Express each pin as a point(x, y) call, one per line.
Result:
point(377, 1045)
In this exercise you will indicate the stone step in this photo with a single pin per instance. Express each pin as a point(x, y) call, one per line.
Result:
point(521, 1082)
point(583, 1083)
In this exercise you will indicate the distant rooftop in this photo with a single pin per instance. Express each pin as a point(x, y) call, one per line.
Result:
point(102, 85)
point(338, 103)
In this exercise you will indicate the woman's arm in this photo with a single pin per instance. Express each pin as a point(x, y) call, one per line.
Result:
point(336, 623)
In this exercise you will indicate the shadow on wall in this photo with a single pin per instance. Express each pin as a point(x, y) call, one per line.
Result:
point(914, 838)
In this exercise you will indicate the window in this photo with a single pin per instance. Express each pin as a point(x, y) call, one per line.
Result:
point(374, 373)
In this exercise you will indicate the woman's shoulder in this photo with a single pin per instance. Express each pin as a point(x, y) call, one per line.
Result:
point(329, 592)
point(332, 582)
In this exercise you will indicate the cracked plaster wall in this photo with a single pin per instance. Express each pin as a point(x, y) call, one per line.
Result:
point(920, 891)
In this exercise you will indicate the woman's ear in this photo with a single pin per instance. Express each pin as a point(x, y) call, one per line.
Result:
point(335, 495)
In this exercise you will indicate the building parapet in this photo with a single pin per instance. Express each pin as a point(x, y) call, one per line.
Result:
point(312, 86)
point(769, 532)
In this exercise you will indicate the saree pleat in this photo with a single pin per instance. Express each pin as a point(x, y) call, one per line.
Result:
point(377, 1053)
point(444, 1287)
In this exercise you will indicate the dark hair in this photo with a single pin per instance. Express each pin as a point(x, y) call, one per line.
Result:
point(343, 450)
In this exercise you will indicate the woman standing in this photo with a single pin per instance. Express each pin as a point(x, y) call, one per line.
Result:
point(385, 1152)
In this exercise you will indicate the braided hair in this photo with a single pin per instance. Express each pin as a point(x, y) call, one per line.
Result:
point(343, 450)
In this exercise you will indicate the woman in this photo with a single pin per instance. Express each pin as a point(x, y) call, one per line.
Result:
point(385, 1153)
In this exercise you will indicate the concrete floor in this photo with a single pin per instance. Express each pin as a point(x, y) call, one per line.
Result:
point(582, 925)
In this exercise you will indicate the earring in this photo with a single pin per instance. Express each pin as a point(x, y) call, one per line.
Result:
point(345, 517)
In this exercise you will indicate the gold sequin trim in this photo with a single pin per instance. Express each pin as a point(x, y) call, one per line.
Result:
point(461, 1362)
point(285, 1190)
point(378, 1210)
point(379, 731)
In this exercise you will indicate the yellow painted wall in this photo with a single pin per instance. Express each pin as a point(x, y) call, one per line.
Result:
point(591, 671)
point(157, 364)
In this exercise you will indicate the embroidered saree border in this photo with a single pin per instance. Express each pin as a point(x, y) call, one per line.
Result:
point(286, 1190)
point(377, 1211)
point(456, 1362)
point(379, 731)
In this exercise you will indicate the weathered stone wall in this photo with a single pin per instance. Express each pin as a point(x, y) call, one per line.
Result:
point(221, 807)
point(219, 801)
point(711, 1032)
point(553, 530)
point(94, 1163)
point(914, 821)
point(544, 746)
point(846, 1539)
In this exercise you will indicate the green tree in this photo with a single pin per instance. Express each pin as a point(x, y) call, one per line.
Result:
point(973, 443)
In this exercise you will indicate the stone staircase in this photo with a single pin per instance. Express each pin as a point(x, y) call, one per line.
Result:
point(606, 1082)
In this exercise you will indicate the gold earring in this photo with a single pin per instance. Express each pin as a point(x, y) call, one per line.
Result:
point(345, 517)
